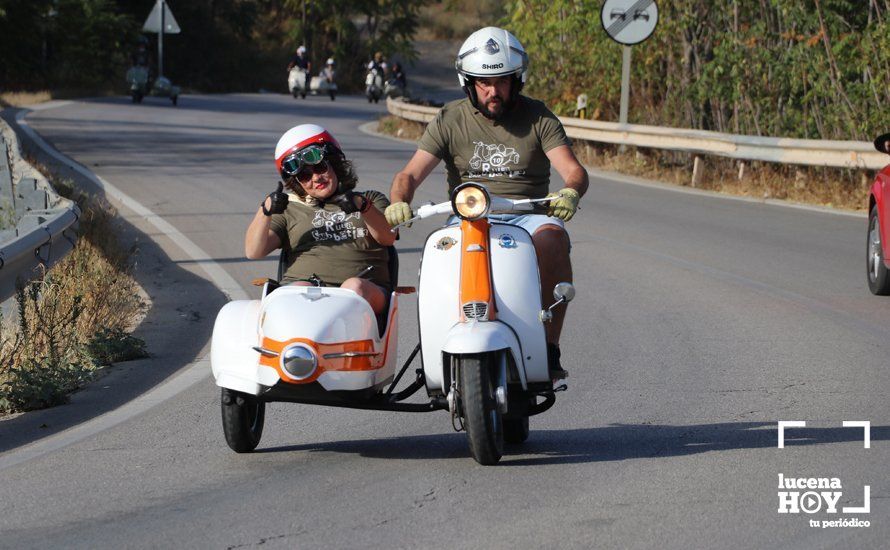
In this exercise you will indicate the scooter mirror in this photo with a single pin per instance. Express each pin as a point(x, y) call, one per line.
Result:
point(564, 292)
point(882, 143)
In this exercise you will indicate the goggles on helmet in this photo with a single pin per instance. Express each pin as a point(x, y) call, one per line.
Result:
point(309, 156)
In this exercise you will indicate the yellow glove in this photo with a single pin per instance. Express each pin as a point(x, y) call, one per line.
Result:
point(564, 203)
point(397, 213)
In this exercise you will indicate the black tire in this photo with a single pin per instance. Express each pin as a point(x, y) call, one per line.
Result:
point(333, 95)
point(485, 429)
point(303, 95)
point(516, 430)
point(878, 276)
point(296, 93)
point(175, 100)
point(243, 418)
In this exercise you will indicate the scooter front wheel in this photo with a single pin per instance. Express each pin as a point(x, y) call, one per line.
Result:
point(243, 416)
point(482, 419)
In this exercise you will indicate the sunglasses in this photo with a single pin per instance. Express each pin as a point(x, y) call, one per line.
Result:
point(304, 174)
point(305, 162)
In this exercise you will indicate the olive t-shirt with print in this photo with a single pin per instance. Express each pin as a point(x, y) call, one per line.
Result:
point(330, 243)
point(507, 155)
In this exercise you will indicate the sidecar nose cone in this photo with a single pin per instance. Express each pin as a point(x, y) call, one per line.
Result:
point(298, 361)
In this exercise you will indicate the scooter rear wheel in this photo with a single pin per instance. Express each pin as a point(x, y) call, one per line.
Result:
point(482, 419)
point(243, 417)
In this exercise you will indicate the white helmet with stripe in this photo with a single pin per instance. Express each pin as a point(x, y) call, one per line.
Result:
point(302, 136)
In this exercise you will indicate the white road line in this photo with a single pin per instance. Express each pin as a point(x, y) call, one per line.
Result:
point(186, 377)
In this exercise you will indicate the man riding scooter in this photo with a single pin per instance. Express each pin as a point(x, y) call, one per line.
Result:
point(492, 66)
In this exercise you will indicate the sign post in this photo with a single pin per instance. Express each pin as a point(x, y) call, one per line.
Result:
point(628, 22)
point(161, 18)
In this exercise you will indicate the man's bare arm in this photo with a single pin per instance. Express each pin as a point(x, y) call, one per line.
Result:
point(412, 175)
point(573, 174)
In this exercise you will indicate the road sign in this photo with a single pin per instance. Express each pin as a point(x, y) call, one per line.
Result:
point(629, 22)
point(153, 23)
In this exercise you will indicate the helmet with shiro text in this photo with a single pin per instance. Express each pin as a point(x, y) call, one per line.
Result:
point(488, 53)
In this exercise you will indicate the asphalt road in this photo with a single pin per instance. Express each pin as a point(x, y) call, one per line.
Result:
point(699, 323)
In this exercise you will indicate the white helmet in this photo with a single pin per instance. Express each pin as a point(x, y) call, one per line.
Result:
point(491, 52)
point(330, 61)
point(300, 137)
point(301, 50)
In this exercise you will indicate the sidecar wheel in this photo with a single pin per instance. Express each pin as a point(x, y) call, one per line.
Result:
point(516, 430)
point(243, 416)
point(295, 92)
point(485, 429)
point(878, 274)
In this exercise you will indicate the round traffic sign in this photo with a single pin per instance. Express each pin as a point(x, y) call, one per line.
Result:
point(629, 22)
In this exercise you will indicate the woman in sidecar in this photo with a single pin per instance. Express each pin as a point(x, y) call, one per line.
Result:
point(330, 234)
point(325, 332)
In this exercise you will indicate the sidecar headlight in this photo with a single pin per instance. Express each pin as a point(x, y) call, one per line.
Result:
point(298, 361)
point(470, 201)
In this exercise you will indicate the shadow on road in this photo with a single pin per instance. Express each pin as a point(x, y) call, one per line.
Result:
point(602, 444)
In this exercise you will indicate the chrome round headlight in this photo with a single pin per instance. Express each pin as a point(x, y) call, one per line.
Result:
point(298, 361)
point(470, 201)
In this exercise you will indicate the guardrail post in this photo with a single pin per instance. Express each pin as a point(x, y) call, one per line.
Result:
point(697, 169)
point(741, 171)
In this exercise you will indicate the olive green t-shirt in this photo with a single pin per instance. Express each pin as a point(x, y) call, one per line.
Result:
point(329, 243)
point(507, 155)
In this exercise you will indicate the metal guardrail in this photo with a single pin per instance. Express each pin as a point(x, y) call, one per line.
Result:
point(810, 152)
point(37, 226)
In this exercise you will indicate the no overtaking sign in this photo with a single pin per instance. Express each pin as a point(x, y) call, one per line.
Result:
point(629, 22)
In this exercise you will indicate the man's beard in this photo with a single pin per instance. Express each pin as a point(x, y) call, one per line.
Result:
point(487, 113)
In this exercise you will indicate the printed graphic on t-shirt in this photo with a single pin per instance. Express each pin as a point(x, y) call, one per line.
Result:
point(490, 160)
point(337, 226)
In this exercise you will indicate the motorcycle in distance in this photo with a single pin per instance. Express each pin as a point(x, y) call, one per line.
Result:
point(393, 89)
point(326, 82)
point(137, 78)
point(482, 343)
point(296, 82)
point(374, 85)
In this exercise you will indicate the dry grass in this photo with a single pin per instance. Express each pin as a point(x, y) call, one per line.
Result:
point(24, 99)
point(72, 320)
point(831, 187)
point(399, 127)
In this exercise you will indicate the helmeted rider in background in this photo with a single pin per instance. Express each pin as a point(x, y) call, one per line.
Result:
point(507, 141)
point(328, 72)
point(301, 60)
point(332, 234)
point(379, 63)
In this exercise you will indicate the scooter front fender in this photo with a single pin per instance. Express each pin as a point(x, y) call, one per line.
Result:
point(485, 336)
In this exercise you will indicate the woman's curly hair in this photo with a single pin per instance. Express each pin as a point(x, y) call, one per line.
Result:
point(342, 168)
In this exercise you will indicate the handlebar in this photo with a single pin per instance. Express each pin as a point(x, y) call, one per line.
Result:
point(498, 204)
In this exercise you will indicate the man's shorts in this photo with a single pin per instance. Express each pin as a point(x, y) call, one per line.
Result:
point(529, 222)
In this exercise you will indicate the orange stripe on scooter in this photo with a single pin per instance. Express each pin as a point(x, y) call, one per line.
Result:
point(475, 265)
point(339, 364)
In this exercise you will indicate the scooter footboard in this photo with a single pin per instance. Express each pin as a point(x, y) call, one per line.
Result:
point(233, 361)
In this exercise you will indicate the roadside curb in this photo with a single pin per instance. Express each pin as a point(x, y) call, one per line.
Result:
point(172, 383)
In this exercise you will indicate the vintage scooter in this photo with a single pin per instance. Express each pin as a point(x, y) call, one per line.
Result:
point(296, 82)
point(374, 85)
point(482, 344)
point(137, 78)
